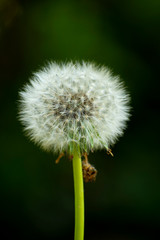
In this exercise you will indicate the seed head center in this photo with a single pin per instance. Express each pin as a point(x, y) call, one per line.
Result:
point(73, 107)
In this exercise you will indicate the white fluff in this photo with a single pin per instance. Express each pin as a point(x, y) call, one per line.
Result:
point(69, 103)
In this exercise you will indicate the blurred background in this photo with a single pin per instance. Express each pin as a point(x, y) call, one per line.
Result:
point(36, 195)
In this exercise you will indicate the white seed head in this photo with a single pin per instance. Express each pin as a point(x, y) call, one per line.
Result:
point(74, 103)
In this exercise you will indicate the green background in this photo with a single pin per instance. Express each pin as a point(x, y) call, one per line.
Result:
point(36, 195)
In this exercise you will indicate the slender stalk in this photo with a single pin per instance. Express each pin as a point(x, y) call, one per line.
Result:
point(79, 195)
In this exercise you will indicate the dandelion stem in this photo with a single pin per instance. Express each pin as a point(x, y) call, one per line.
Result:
point(79, 195)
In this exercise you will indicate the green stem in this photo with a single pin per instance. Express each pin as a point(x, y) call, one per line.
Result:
point(79, 195)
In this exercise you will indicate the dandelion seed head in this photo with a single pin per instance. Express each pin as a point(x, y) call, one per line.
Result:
point(74, 103)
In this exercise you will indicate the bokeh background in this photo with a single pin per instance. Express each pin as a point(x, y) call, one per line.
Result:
point(36, 195)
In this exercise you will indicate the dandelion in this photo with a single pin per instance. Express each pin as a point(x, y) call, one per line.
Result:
point(74, 103)
point(74, 109)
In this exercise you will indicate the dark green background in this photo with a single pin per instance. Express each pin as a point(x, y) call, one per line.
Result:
point(36, 196)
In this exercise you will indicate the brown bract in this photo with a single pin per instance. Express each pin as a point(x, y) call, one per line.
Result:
point(89, 172)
